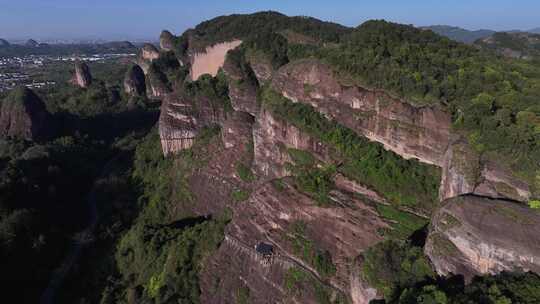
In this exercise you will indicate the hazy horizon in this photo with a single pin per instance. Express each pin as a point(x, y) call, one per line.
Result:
point(135, 20)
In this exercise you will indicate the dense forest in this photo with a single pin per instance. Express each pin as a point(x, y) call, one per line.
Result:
point(44, 183)
point(146, 247)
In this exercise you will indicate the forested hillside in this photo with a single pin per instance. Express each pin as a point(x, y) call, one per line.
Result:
point(319, 164)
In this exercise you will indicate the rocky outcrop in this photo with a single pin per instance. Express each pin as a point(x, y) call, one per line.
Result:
point(272, 137)
point(23, 115)
point(286, 219)
point(134, 82)
point(214, 184)
point(149, 52)
point(178, 126)
point(211, 60)
point(412, 132)
point(237, 130)
point(243, 85)
point(157, 84)
point(263, 71)
point(472, 235)
point(4, 42)
point(181, 119)
point(82, 77)
point(166, 41)
point(464, 172)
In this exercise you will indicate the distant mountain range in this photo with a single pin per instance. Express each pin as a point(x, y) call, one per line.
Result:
point(459, 34)
point(524, 45)
point(468, 36)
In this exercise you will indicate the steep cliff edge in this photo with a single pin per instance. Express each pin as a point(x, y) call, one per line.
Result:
point(409, 131)
point(423, 133)
point(135, 82)
point(177, 126)
point(243, 85)
point(472, 235)
point(464, 172)
point(272, 137)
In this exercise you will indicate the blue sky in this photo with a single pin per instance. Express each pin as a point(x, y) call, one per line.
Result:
point(145, 18)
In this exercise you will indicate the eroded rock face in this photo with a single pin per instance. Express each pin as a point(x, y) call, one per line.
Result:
point(242, 87)
point(276, 215)
point(166, 41)
point(412, 132)
point(472, 235)
point(134, 82)
point(461, 171)
point(272, 137)
point(211, 60)
point(82, 77)
point(157, 84)
point(149, 52)
point(465, 173)
point(263, 71)
point(182, 118)
point(177, 124)
point(213, 184)
point(23, 115)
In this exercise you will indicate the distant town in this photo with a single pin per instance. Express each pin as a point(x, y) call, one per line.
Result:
point(15, 71)
point(24, 63)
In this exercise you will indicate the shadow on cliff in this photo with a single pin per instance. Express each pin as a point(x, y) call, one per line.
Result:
point(419, 237)
point(107, 126)
point(189, 222)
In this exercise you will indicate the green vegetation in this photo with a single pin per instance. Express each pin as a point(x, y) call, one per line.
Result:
point(403, 274)
point(391, 266)
point(301, 158)
point(165, 260)
point(317, 182)
point(213, 89)
point(403, 224)
point(242, 295)
point(404, 182)
point(310, 176)
point(42, 182)
point(299, 283)
point(306, 248)
point(240, 195)
point(525, 44)
point(163, 251)
point(237, 59)
point(505, 288)
point(227, 28)
point(534, 204)
point(244, 172)
point(268, 46)
point(493, 100)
